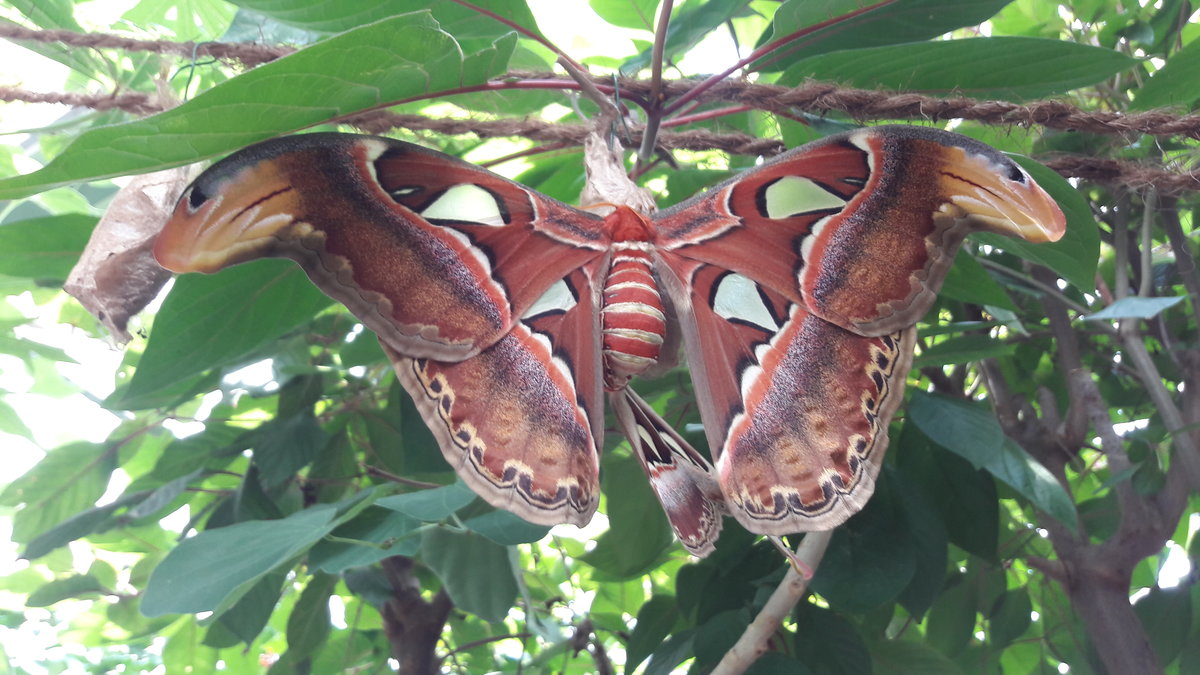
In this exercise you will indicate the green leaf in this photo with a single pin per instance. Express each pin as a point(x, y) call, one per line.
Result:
point(655, 619)
point(1135, 308)
point(1010, 618)
point(61, 589)
point(284, 446)
point(308, 625)
point(717, 636)
point(431, 506)
point(951, 621)
point(639, 14)
point(321, 16)
point(972, 432)
point(67, 481)
point(1166, 614)
point(397, 58)
point(213, 569)
point(893, 23)
point(968, 281)
point(870, 559)
point(90, 521)
point(671, 653)
point(468, 26)
point(776, 663)
point(964, 496)
point(1009, 68)
point(476, 573)
point(162, 496)
point(1074, 257)
point(689, 25)
point(187, 19)
point(827, 642)
point(401, 442)
point(928, 534)
point(247, 617)
point(383, 533)
point(210, 321)
point(903, 656)
point(1176, 84)
point(963, 349)
point(506, 528)
point(11, 422)
point(44, 248)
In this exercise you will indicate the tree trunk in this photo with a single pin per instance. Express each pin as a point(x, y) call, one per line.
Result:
point(1100, 596)
point(413, 626)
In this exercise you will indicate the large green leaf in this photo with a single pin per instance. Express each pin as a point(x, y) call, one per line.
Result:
point(627, 13)
point(505, 528)
point(322, 15)
point(964, 497)
point(74, 586)
point(827, 642)
point(1167, 614)
point(209, 321)
point(655, 619)
point(472, 29)
point(1011, 68)
point(888, 23)
point(382, 533)
point(66, 482)
point(973, 433)
point(906, 656)
point(44, 248)
point(1177, 83)
point(393, 59)
point(476, 572)
point(951, 620)
point(968, 281)
point(871, 558)
point(308, 626)
point(963, 349)
point(213, 569)
point(284, 446)
point(431, 505)
point(929, 539)
point(690, 24)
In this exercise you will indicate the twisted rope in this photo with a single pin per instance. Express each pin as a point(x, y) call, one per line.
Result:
point(811, 97)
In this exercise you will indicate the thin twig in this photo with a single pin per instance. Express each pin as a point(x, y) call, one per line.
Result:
point(655, 114)
point(754, 641)
point(1149, 208)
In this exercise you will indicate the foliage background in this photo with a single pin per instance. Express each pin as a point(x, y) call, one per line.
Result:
point(243, 511)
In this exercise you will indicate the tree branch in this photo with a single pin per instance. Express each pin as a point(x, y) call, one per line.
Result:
point(754, 641)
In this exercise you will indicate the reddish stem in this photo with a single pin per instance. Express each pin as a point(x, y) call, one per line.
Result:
point(520, 29)
point(527, 152)
point(706, 115)
point(765, 49)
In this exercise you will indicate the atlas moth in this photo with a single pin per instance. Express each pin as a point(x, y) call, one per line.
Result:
point(510, 316)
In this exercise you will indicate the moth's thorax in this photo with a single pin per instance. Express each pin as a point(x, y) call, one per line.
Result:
point(631, 316)
point(626, 225)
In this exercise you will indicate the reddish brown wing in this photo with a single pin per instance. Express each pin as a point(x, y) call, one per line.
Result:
point(861, 227)
point(521, 422)
point(482, 292)
point(796, 286)
point(682, 479)
point(437, 256)
point(798, 407)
